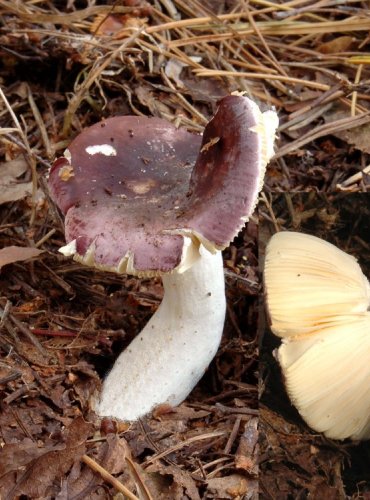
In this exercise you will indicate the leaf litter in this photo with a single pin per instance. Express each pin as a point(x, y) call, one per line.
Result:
point(68, 65)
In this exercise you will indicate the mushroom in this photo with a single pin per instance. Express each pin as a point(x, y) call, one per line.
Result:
point(145, 198)
point(318, 302)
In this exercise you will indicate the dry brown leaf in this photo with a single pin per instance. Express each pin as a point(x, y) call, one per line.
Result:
point(156, 107)
point(17, 455)
point(181, 412)
point(181, 484)
point(234, 486)
point(11, 254)
point(357, 136)
point(337, 45)
point(115, 457)
point(207, 90)
point(246, 456)
point(13, 168)
point(82, 480)
point(11, 189)
point(36, 477)
point(106, 25)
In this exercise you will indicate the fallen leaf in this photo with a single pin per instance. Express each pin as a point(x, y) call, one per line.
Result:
point(11, 254)
point(39, 477)
point(106, 25)
point(176, 488)
point(174, 68)
point(13, 168)
point(337, 45)
point(357, 136)
point(181, 412)
point(206, 89)
point(17, 455)
point(11, 189)
point(145, 96)
point(246, 456)
point(234, 486)
point(82, 480)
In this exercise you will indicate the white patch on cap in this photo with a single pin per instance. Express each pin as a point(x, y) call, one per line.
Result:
point(67, 155)
point(101, 149)
point(69, 249)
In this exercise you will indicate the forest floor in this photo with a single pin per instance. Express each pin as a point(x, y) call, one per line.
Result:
point(67, 65)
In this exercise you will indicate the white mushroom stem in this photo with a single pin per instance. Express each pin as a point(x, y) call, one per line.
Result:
point(167, 359)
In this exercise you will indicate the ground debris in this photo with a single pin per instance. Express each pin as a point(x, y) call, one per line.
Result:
point(36, 477)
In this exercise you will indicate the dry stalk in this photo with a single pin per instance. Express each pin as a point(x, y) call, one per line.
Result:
point(322, 130)
point(108, 477)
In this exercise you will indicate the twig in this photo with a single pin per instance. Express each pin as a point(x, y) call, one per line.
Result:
point(354, 95)
point(138, 480)
point(40, 123)
point(108, 477)
point(354, 178)
point(45, 237)
point(242, 411)
point(178, 446)
point(261, 76)
point(271, 211)
point(322, 130)
point(273, 59)
point(278, 28)
point(26, 331)
point(233, 435)
point(14, 140)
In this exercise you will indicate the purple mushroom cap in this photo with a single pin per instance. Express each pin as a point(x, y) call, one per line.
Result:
point(133, 187)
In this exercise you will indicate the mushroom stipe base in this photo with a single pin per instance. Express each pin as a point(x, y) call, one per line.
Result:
point(170, 355)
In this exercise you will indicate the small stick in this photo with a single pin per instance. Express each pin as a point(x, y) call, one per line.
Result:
point(354, 95)
point(26, 331)
point(233, 435)
point(108, 477)
point(53, 333)
point(271, 211)
point(45, 238)
point(242, 411)
point(178, 446)
point(138, 480)
point(354, 178)
point(40, 122)
point(262, 76)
